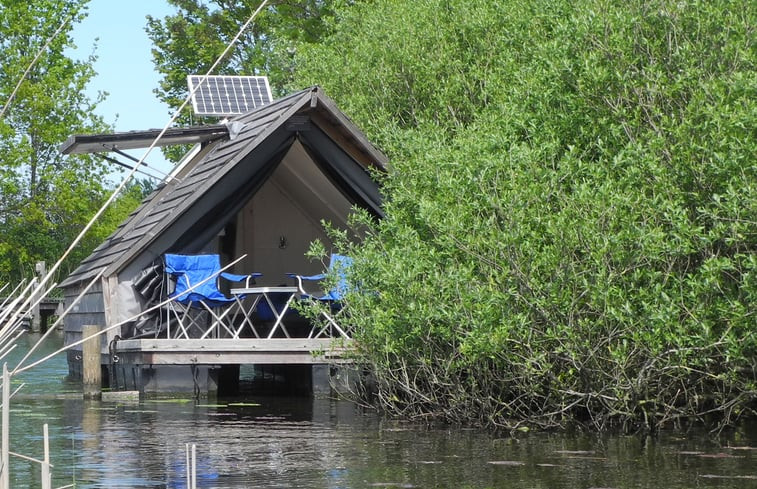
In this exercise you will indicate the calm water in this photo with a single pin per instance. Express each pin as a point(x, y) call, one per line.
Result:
point(305, 443)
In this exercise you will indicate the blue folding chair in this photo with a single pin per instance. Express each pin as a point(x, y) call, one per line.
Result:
point(196, 290)
point(338, 264)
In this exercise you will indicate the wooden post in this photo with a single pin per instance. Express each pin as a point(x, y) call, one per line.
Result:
point(36, 322)
point(5, 476)
point(91, 369)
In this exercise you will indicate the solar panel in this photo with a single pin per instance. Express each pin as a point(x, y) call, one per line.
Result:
point(222, 95)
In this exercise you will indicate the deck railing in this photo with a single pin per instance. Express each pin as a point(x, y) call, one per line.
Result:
point(257, 312)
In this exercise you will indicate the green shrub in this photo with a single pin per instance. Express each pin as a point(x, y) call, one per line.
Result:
point(571, 210)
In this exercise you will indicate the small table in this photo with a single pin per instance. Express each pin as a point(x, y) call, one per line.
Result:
point(258, 293)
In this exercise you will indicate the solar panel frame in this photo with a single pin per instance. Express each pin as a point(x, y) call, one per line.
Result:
point(227, 95)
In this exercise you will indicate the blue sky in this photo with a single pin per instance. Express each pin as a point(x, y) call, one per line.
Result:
point(124, 66)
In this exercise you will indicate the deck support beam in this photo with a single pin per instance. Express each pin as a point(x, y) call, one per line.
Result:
point(91, 369)
point(232, 351)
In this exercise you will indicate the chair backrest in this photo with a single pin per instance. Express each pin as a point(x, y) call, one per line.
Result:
point(340, 264)
point(189, 270)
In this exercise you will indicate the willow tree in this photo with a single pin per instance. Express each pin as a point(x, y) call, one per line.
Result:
point(571, 212)
point(45, 197)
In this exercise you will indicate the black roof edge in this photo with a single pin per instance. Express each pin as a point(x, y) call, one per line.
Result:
point(105, 142)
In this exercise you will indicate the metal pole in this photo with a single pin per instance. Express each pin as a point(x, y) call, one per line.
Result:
point(194, 468)
point(5, 476)
point(189, 469)
point(47, 482)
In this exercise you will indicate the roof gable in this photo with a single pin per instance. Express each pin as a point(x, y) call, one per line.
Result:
point(264, 135)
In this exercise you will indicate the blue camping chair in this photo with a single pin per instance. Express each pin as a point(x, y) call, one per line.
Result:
point(196, 291)
point(337, 264)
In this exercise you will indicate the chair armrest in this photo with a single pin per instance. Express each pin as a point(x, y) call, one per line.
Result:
point(320, 276)
point(300, 278)
point(238, 278)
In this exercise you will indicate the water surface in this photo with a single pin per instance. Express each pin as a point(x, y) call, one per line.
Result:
point(267, 442)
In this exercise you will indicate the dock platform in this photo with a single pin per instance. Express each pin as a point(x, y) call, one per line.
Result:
point(302, 351)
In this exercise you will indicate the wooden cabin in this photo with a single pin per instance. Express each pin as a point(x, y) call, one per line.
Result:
point(259, 185)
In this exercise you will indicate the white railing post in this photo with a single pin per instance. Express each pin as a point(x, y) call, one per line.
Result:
point(194, 467)
point(47, 482)
point(188, 468)
point(191, 461)
point(4, 476)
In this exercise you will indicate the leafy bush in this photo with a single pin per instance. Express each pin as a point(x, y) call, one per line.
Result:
point(571, 210)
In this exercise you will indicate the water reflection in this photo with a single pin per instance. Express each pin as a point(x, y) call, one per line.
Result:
point(265, 442)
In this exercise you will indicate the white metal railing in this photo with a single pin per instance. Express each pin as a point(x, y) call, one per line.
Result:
point(242, 318)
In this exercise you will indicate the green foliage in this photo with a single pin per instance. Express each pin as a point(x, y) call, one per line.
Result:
point(45, 197)
point(571, 210)
point(190, 42)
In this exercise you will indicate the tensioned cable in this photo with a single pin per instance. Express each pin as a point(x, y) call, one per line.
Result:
point(129, 175)
point(147, 152)
point(136, 160)
point(33, 62)
point(115, 161)
point(136, 316)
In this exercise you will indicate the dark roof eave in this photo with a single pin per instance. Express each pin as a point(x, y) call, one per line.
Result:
point(99, 143)
point(349, 127)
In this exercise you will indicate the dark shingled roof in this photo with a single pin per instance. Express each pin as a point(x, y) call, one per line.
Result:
point(173, 198)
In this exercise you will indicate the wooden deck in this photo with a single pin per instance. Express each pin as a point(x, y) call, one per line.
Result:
point(232, 351)
point(48, 307)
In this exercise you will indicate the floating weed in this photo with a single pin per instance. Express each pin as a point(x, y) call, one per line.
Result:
point(211, 405)
point(713, 476)
point(391, 484)
point(719, 455)
point(587, 458)
point(244, 404)
point(169, 401)
point(27, 414)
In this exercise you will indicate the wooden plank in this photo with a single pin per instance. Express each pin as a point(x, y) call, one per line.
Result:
point(239, 358)
point(229, 351)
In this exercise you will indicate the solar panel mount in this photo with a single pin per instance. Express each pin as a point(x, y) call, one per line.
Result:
point(226, 95)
